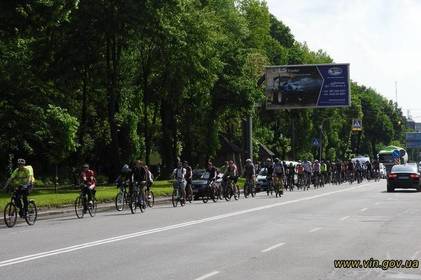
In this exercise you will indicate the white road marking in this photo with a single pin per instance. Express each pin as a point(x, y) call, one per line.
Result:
point(209, 275)
point(364, 209)
point(315, 229)
point(344, 218)
point(405, 276)
point(377, 203)
point(273, 247)
point(162, 229)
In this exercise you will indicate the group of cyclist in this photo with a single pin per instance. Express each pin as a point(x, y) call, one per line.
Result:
point(280, 176)
point(304, 173)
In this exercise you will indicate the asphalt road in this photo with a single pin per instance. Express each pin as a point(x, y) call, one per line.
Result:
point(295, 237)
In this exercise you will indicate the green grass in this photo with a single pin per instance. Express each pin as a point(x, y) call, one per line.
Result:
point(50, 199)
point(47, 198)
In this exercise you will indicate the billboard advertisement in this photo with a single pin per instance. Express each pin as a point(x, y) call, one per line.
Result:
point(413, 140)
point(307, 86)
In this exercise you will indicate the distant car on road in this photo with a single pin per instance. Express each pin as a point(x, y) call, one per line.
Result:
point(404, 176)
point(200, 181)
point(261, 180)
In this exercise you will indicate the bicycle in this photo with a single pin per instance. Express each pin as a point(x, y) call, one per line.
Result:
point(210, 193)
point(137, 198)
point(249, 188)
point(150, 198)
point(278, 186)
point(82, 206)
point(177, 195)
point(122, 197)
point(11, 212)
point(231, 190)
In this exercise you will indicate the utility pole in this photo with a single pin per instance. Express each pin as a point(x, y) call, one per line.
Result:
point(396, 92)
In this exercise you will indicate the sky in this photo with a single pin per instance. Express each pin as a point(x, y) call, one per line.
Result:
point(381, 39)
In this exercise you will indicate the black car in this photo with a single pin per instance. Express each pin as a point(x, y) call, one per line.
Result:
point(200, 181)
point(404, 176)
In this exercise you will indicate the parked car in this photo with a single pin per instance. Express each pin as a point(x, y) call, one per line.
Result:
point(200, 181)
point(404, 176)
point(261, 180)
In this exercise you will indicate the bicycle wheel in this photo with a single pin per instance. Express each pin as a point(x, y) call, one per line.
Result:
point(246, 190)
point(79, 207)
point(174, 198)
point(31, 214)
point(10, 214)
point(92, 207)
point(151, 199)
point(214, 195)
point(120, 201)
point(133, 202)
point(205, 197)
point(253, 191)
point(237, 192)
point(141, 201)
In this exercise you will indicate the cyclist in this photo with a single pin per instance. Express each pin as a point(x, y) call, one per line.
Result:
point(188, 177)
point(124, 177)
point(307, 174)
point(300, 172)
point(359, 169)
point(269, 169)
point(149, 181)
point(350, 169)
point(249, 172)
point(179, 174)
point(323, 172)
point(22, 180)
point(278, 175)
point(232, 175)
point(369, 168)
point(316, 173)
point(88, 181)
point(290, 175)
point(376, 168)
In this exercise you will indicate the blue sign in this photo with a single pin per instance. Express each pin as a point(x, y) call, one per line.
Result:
point(396, 154)
point(316, 142)
point(307, 86)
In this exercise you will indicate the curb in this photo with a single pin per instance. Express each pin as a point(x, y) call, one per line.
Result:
point(68, 211)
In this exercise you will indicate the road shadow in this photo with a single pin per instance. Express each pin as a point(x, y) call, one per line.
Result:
point(401, 191)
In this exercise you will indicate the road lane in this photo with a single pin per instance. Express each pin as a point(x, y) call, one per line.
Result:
point(232, 246)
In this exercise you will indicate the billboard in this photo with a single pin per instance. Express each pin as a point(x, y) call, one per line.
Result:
point(307, 86)
point(413, 140)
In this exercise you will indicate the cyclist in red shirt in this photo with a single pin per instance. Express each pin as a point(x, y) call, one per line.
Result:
point(88, 181)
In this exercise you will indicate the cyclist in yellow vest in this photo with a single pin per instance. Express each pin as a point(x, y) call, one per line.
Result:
point(21, 179)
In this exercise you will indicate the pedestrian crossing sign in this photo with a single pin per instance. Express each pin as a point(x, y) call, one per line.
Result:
point(357, 125)
point(316, 142)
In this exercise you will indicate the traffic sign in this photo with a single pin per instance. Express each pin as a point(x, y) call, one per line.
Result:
point(396, 154)
point(357, 125)
point(315, 142)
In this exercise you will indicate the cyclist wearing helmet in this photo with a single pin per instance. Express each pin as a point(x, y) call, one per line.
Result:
point(269, 169)
point(249, 172)
point(21, 179)
point(123, 179)
point(189, 178)
point(179, 174)
point(278, 175)
point(88, 181)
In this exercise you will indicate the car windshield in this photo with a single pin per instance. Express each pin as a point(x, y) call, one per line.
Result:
point(200, 175)
point(263, 172)
point(404, 168)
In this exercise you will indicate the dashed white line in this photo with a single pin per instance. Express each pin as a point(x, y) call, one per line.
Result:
point(273, 247)
point(364, 209)
point(209, 275)
point(315, 229)
point(119, 238)
point(344, 218)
